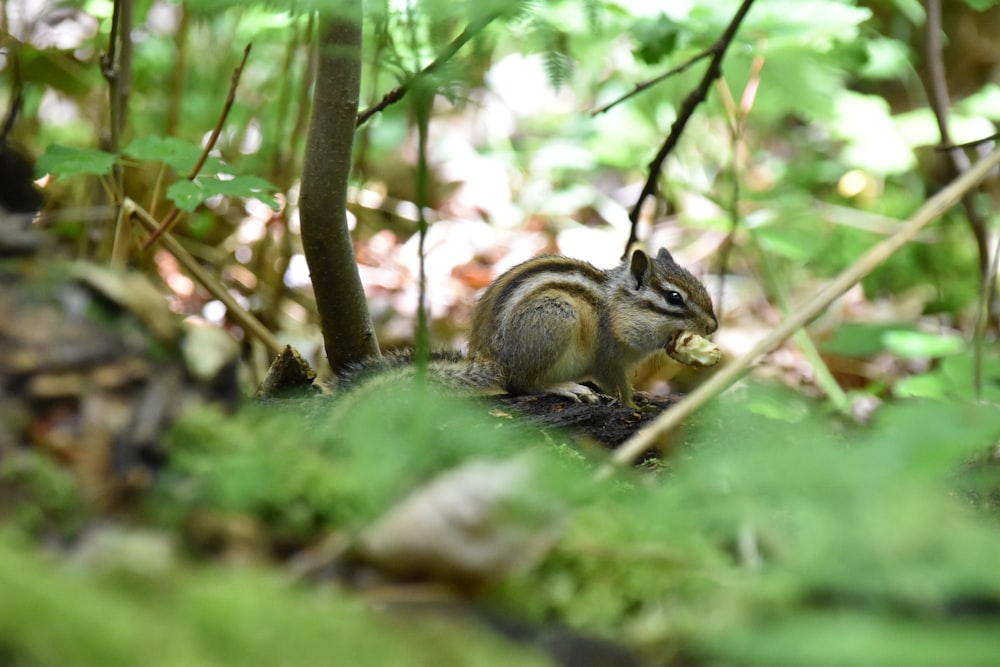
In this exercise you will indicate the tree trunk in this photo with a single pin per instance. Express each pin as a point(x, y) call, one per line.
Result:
point(340, 298)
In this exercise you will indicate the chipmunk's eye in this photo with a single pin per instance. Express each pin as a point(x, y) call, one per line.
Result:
point(675, 298)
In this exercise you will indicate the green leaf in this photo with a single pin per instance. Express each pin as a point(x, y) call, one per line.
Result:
point(56, 68)
point(817, 23)
point(873, 141)
point(919, 345)
point(253, 187)
point(654, 39)
point(175, 153)
point(985, 102)
point(913, 10)
point(69, 161)
point(865, 340)
point(861, 340)
point(981, 5)
point(954, 378)
point(188, 195)
point(886, 58)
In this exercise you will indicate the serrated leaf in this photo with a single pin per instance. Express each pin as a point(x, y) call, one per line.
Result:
point(69, 161)
point(176, 153)
point(188, 195)
point(244, 186)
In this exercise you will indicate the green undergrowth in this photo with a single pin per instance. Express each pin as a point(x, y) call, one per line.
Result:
point(778, 535)
point(54, 614)
point(307, 469)
point(797, 541)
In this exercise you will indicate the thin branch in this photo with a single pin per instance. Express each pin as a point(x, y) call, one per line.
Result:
point(730, 373)
point(696, 97)
point(397, 93)
point(116, 67)
point(982, 315)
point(639, 87)
point(422, 102)
point(238, 313)
point(209, 145)
point(181, 45)
point(108, 60)
point(13, 107)
point(941, 103)
point(968, 144)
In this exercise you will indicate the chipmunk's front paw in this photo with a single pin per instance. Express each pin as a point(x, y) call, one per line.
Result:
point(573, 391)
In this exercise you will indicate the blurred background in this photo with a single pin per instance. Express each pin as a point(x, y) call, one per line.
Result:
point(818, 140)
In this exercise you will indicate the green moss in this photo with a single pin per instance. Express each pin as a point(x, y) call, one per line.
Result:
point(303, 471)
point(52, 615)
point(38, 496)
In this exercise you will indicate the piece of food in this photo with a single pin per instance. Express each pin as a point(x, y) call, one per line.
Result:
point(691, 349)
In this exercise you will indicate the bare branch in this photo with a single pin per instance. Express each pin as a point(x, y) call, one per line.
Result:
point(238, 313)
point(209, 145)
point(968, 144)
point(941, 104)
point(116, 67)
point(639, 87)
point(691, 102)
point(397, 93)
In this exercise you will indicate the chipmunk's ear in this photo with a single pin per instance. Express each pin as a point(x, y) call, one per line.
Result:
point(639, 268)
point(665, 255)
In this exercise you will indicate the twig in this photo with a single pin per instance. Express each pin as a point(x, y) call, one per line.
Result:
point(940, 104)
point(979, 338)
point(181, 44)
point(968, 144)
point(16, 99)
point(422, 102)
point(730, 373)
point(240, 315)
point(209, 145)
point(643, 85)
point(397, 93)
point(696, 97)
point(116, 67)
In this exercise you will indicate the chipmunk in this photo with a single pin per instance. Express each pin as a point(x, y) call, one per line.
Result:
point(551, 322)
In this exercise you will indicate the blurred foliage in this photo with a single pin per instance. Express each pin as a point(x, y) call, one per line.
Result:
point(793, 541)
point(788, 539)
point(39, 497)
point(775, 534)
point(828, 94)
point(302, 470)
point(213, 616)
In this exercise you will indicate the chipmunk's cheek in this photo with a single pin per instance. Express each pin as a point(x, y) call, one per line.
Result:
point(691, 349)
